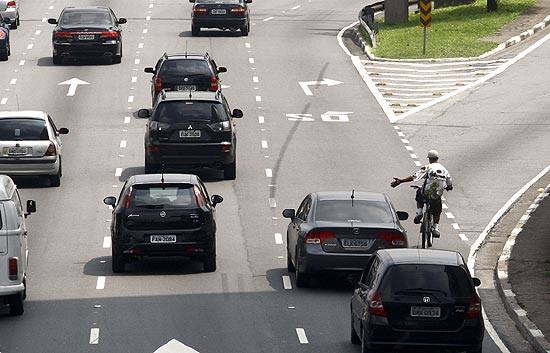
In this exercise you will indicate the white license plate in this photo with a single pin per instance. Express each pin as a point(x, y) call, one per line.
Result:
point(425, 311)
point(186, 88)
point(218, 11)
point(190, 133)
point(357, 243)
point(86, 37)
point(163, 238)
point(15, 151)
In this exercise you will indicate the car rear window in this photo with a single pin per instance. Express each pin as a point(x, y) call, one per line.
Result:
point(163, 196)
point(189, 111)
point(187, 67)
point(360, 211)
point(451, 281)
point(74, 18)
point(23, 129)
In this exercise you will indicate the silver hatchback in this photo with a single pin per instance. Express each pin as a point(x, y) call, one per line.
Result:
point(30, 145)
point(10, 9)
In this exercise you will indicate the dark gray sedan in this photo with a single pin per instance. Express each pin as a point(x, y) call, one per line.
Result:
point(339, 232)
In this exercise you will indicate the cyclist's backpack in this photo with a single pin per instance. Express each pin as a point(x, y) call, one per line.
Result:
point(435, 181)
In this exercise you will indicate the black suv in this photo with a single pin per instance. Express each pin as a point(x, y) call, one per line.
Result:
point(222, 14)
point(163, 215)
point(184, 72)
point(417, 298)
point(190, 130)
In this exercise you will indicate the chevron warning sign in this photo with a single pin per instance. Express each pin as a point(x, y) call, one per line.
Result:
point(425, 13)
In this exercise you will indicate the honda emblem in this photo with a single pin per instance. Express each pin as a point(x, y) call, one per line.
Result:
point(426, 299)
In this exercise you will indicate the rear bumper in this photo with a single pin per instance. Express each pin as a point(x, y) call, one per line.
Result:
point(86, 49)
point(11, 13)
point(213, 22)
point(24, 166)
point(191, 155)
point(12, 289)
point(315, 260)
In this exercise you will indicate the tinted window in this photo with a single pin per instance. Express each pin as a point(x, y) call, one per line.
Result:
point(23, 129)
point(451, 281)
point(74, 18)
point(186, 111)
point(167, 195)
point(218, 1)
point(361, 211)
point(187, 67)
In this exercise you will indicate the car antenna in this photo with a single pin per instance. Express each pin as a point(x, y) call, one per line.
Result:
point(352, 196)
point(186, 49)
point(162, 175)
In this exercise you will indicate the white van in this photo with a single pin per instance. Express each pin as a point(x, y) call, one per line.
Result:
point(13, 246)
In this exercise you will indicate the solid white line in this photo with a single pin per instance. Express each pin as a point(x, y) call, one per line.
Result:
point(301, 335)
point(130, 99)
point(100, 282)
point(30, 46)
point(296, 7)
point(251, 60)
point(37, 32)
point(268, 19)
point(134, 79)
point(264, 144)
point(22, 62)
point(123, 144)
point(278, 238)
point(118, 172)
point(261, 119)
point(255, 79)
point(258, 98)
point(140, 45)
point(272, 202)
point(144, 31)
point(94, 335)
point(463, 237)
point(286, 282)
point(13, 81)
point(268, 173)
point(127, 120)
point(106, 242)
point(4, 101)
point(247, 45)
point(136, 62)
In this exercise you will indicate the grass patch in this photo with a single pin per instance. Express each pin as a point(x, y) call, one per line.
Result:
point(455, 32)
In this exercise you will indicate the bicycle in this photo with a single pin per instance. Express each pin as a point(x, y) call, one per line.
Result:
point(427, 222)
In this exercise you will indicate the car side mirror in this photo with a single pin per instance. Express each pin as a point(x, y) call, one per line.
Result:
point(222, 69)
point(52, 21)
point(289, 213)
point(248, 1)
point(402, 215)
point(121, 21)
point(31, 207)
point(144, 113)
point(477, 281)
point(7, 20)
point(63, 131)
point(110, 201)
point(216, 199)
point(149, 70)
point(237, 113)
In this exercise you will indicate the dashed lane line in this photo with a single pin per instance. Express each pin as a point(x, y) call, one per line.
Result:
point(264, 144)
point(278, 238)
point(118, 172)
point(268, 19)
point(123, 144)
point(4, 101)
point(258, 98)
point(94, 335)
point(261, 119)
point(13, 81)
point(296, 7)
point(302, 335)
point(255, 79)
point(287, 284)
point(251, 60)
point(127, 120)
point(268, 173)
point(106, 242)
point(100, 283)
point(22, 62)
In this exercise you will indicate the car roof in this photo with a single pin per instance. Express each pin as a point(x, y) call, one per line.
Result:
point(7, 187)
point(23, 114)
point(168, 178)
point(191, 95)
point(85, 8)
point(421, 256)
point(346, 195)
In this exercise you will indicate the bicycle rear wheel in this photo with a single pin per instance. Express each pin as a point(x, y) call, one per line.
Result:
point(429, 224)
point(424, 229)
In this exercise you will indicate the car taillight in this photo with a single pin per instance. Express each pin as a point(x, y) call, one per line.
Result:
point(213, 84)
point(226, 147)
point(2, 35)
point(127, 199)
point(13, 268)
point(158, 84)
point(109, 35)
point(200, 10)
point(63, 35)
point(198, 197)
point(318, 237)
point(474, 309)
point(376, 307)
point(396, 239)
point(51, 151)
point(11, 3)
point(237, 10)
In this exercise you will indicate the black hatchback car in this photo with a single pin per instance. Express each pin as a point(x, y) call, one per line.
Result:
point(163, 215)
point(191, 130)
point(222, 14)
point(90, 31)
point(417, 298)
point(184, 72)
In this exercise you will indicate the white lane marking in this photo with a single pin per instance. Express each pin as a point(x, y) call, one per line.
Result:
point(258, 98)
point(413, 156)
point(136, 62)
point(175, 346)
point(140, 45)
point(134, 79)
point(118, 172)
point(296, 7)
point(94, 335)
point(417, 163)
point(463, 237)
point(37, 32)
point(30, 46)
point(286, 282)
point(106, 242)
point(251, 60)
point(272, 202)
point(13, 81)
point(247, 45)
point(50, 7)
point(255, 79)
point(144, 31)
point(405, 141)
point(148, 18)
point(4, 101)
point(268, 19)
point(151, 6)
point(444, 206)
point(130, 99)
point(22, 62)
point(123, 144)
point(264, 144)
point(127, 120)
point(456, 226)
point(261, 119)
point(44, 19)
point(100, 282)
point(401, 134)
point(408, 148)
point(268, 173)
point(278, 238)
point(301, 335)
point(449, 215)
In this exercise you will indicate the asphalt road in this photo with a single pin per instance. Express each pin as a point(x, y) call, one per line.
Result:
point(289, 144)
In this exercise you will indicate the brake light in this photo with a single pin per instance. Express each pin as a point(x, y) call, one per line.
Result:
point(158, 84)
point(213, 84)
point(198, 197)
point(200, 10)
point(227, 147)
point(2, 35)
point(63, 35)
point(318, 237)
point(51, 151)
point(237, 10)
point(395, 239)
point(11, 3)
point(127, 199)
point(109, 35)
point(13, 268)
point(376, 307)
point(474, 309)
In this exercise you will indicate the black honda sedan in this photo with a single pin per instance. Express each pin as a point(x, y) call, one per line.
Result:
point(163, 215)
point(222, 14)
point(91, 31)
point(339, 232)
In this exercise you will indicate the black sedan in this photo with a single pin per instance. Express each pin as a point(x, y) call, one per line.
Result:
point(4, 38)
point(91, 31)
point(222, 14)
point(163, 215)
point(339, 231)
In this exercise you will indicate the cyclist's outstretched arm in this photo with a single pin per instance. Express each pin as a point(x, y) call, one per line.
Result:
point(397, 181)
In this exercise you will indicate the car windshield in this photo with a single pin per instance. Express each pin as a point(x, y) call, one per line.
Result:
point(187, 67)
point(360, 211)
point(74, 18)
point(23, 129)
point(189, 111)
point(163, 196)
point(451, 281)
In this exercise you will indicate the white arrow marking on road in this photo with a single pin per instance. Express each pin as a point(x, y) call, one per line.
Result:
point(73, 83)
point(175, 346)
point(326, 81)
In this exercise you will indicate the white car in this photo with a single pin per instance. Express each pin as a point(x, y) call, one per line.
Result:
point(10, 9)
point(30, 145)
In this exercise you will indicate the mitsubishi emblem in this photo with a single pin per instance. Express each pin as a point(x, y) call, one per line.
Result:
point(163, 214)
point(189, 127)
point(426, 299)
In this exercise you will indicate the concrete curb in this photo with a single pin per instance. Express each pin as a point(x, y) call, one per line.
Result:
point(527, 328)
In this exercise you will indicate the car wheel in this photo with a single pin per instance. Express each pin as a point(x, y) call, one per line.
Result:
point(245, 30)
point(117, 59)
point(302, 280)
point(4, 55)
point(195, 30)
point(289, 265)
point(57, 60)
point(150, 168)
point(118, 261)
point(16, 304)
point(9, 48)
point(230, 170)
point(14, 24)
point(55, 180)
point(354, 337)
point(209, 264)
point(364, 348)
point(18, 21)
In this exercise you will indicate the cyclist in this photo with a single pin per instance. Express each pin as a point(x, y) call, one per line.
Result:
point(435, 179)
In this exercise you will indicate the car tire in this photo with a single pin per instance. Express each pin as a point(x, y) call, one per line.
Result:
point(4, 55)
point(18, 21)
point(245, 30)
point(354, 336)
point(195, 31)
point(289, 265)
point(150, 168)
point(209, 263)
point(230, 170)
point(57, 60)
point(55, 180)
point(364, 348)
point(16, 304)
point(302, 280)
point(118, 262)
point(14, 24)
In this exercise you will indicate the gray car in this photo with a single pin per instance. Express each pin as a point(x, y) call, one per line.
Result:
point(30, 145)
point(10, 9)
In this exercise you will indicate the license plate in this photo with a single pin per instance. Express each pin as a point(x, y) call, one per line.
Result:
point(186, 88)
point(15, 151)
point(357, 243)
point(86, 37)
point(218, 11)
point(163, 238)
point(190, 133)
point(425, 311)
